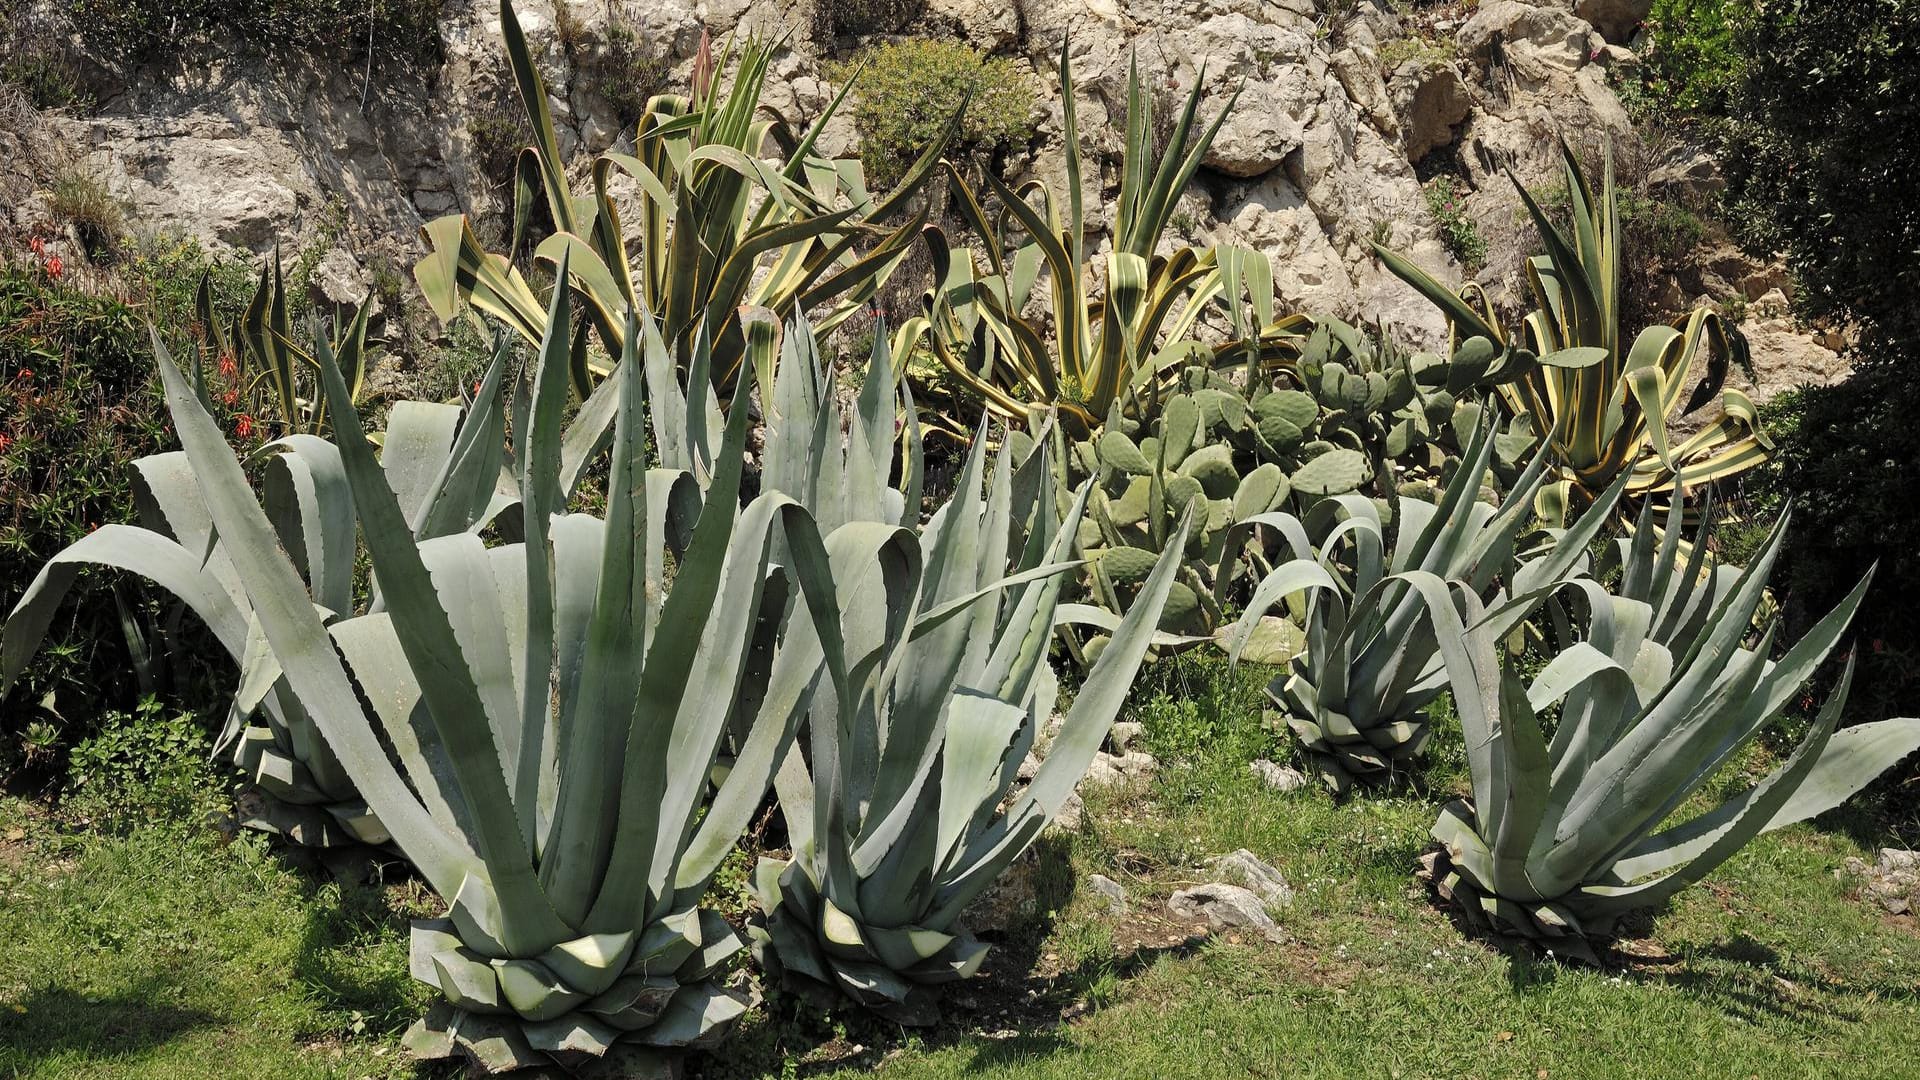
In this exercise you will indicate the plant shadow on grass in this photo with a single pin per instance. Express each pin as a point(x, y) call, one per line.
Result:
point(1738, 975)
point(56, 1022)
point(359, 902)
point(1010, 1013)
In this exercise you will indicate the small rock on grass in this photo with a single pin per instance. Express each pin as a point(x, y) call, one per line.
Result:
point(1226, 907)
point(1282, 778)
point(1108, 891)
point(1894, 880)
point(1257, 876)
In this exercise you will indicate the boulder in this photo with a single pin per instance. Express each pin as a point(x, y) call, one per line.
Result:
point(1111, 894)
point(1618, 20)
point(1249, 871)
point(1282, 778)
point(1430, 99)
point(1226, 907)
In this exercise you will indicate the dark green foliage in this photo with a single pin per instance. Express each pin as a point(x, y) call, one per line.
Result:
point(1821, 154)
point(1848, 462)
point(1689, 63)
point(405, 32)
point(78, 401)
point(834, 18)
point(33, 57)
point(907, 93)
point(140, 766)
point(1820, 160)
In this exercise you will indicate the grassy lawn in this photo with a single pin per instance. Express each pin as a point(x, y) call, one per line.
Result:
point(168, 951)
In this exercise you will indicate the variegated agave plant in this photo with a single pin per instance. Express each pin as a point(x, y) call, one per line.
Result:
point(904, 807)
point(720, 228)
point(1355, 698)
point(307, 796)
point(1565, 834)
point(1602, 403)
point(545, 715)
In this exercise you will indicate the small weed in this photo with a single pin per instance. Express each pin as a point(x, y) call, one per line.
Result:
point(1458, 232)
point(80, 199)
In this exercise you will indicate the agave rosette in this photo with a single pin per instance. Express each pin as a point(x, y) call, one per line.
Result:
point(720, 228)
point(906, 804)
point(1355, 698)
point(1564, 835)
point(1602, 405)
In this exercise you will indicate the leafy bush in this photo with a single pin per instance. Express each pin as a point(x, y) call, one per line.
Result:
point(908, 91)
point(1689, 68)
point(1819, 158)
point(33, 57)
point(1457, 231)
point(81, 199)
point(142, 765)
point(832, 18)
point(1820, 154)
point(78, 399)
point(403, 31)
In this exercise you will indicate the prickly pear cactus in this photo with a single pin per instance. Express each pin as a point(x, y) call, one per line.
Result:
point(1350, 416)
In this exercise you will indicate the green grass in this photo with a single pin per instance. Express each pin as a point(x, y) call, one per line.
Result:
point(171, 953)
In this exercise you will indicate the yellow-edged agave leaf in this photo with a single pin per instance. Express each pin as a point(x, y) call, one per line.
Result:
point(1104, 348)
point(719, 225)
point(1605, 405)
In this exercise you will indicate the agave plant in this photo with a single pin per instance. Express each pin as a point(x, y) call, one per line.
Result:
point(975, 319)
point(307, 796)
point(1564, 835)
point(1354, 699)
point(719, 228)
point(1602, 406)
point(904, 807)
point(537, 743)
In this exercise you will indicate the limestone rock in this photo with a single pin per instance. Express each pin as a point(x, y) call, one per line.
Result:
point(337, 281)
point(1616, 19)
point(1119, 770)
point(1255, 875)
point(1692, 179)
point(1893, 880)
point(1226, 907)
point(1282, 778)
point(1108, 891)
point(1429, 99)
point(1529, 38)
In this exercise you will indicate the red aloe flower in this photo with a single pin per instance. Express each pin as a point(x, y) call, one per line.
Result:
point(243, 426)
point(228, 369)
point(53, 267)
point(5, 441)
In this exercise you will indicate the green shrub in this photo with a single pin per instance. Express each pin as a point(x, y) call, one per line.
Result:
point(79, 198)
point(78, 400)
point(1820, 154)
point(908, 91)
point(34, 58)
point(833, 18)
point(1400, 50)
point(1820, 157)
point(1688, 69)
point(627, 74)
point(142, 765)
point(1457, 231)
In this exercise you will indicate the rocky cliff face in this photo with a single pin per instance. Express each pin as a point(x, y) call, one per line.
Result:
point(1343, 106)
